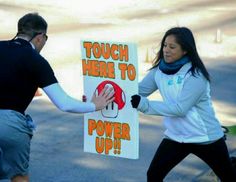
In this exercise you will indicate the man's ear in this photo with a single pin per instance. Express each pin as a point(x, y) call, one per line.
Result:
point(34, 41)
point(38, 38)
point(185, 52)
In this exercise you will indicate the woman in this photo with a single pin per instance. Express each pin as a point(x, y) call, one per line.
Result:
point(191, 125)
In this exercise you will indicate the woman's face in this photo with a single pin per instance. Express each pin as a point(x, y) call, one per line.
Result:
point(172, 51)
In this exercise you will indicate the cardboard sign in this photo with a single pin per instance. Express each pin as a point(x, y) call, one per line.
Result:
point(113, 131)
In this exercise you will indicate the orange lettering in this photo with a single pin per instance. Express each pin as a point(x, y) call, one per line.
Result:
point(106, 52)
point(100, 128)
point(130, 69)
point(108, 145)
point(123, 68)
point(98, 68)
point(91, 126)
point(124, 52)
point(88, 46)
point(114, 54)
point(131, 72)
point(108, 128)
point(97, 50)
point(111, 70)
point(125, 131)
point(117, 130)
point(99, 145)
point(94, 68)
point(103, 69)
point(86, 67)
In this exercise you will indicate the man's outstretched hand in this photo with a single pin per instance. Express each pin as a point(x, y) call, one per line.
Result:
point(135, 99)
point(104, 98)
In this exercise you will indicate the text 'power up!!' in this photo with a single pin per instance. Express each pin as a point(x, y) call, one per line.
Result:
point(109, 135)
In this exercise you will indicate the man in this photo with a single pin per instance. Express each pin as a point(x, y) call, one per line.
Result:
point(22, 71)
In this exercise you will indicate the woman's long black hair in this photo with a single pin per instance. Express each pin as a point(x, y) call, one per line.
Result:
point(185, 39)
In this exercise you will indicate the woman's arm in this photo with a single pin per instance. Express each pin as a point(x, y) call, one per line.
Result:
point(192, 90)
point(148, 85)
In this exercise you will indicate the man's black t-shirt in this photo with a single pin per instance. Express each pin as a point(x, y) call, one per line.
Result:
point(22, 71)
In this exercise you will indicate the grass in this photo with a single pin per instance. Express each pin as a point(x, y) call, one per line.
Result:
point(232, 129)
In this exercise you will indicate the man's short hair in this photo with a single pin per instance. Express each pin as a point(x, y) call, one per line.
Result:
point(31, 23)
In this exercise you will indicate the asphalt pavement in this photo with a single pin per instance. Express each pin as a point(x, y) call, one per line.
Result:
point(57, 146)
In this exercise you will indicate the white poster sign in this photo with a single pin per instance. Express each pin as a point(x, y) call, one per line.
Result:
point(113, 131)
